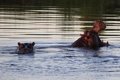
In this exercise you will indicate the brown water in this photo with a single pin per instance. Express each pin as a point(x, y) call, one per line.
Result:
point(53, 29)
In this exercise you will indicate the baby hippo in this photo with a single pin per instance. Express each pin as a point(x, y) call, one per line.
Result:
point(24, 48)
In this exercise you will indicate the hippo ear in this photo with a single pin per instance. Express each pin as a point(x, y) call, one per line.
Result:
point(19, 43)
point(33, 43)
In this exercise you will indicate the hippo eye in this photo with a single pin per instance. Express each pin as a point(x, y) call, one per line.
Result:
point(29, 46)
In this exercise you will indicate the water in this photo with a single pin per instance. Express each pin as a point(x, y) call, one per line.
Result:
point(54, 29)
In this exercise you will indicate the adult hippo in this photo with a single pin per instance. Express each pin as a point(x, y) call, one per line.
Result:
point(91, 37)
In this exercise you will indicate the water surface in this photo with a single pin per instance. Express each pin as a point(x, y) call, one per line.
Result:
point(53, 29)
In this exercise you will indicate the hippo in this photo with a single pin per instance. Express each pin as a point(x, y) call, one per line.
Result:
point(24, 48)
point(90, 38)
point(98, 26)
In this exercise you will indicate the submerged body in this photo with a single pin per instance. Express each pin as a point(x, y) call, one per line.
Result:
point(89, 39)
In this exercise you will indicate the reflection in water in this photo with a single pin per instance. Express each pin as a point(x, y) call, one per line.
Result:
point(53, 29)
point(51, 22)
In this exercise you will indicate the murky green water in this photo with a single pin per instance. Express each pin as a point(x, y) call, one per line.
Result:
point(53, 28)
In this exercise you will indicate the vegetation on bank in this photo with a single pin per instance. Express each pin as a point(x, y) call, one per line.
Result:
point(84, 7)
point(74, 3)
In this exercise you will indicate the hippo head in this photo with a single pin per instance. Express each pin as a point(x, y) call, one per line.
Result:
point(98, 26)
point(25, 47)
